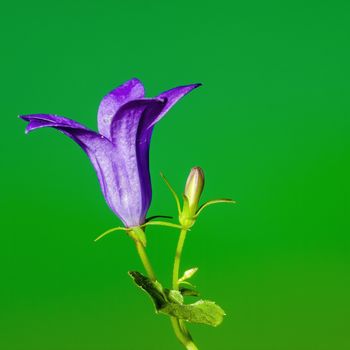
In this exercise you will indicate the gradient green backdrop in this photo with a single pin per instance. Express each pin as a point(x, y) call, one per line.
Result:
point(270, 126)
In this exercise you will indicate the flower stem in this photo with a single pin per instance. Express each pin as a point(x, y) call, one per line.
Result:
point(143, 256)
point(182, 334)
point(177, 260)
point(145, 261)
point(179, 328)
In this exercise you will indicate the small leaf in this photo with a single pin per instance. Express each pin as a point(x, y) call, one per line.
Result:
point(189, 292)
point(186, 283)
point(188, 274)
point(203, 311)
point(175, 296)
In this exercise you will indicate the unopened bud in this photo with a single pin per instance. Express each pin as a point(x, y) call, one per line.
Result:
point(194, 188)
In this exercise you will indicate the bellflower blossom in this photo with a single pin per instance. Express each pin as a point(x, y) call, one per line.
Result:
point(119, 151)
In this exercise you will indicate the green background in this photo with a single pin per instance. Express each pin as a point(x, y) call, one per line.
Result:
point(270, 127)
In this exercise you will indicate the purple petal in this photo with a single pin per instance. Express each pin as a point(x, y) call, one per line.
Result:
point(120, 153)
point(131, 90)
point(172, 97)
point(42, 120)
point(146, 128)
point(144, 134)
point(119, 165)
point(97, 147)
point(132, 154)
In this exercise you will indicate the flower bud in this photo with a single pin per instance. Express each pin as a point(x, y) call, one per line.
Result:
point(193, 190)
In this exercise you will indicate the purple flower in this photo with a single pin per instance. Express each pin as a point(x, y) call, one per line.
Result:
point(119, 152)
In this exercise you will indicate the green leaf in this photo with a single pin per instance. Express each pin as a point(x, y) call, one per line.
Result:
point(170, 302)
point(189, 292)
point(175, 296)
point(203, 311)
point(186, 283)
point(153, 288)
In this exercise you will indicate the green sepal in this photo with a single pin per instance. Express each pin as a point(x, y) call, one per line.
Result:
point(173, 193)
point(170, 302)
point(186, 217)
point(186, 206)
point(158, 216)
point(110, 231)
point(214, 201)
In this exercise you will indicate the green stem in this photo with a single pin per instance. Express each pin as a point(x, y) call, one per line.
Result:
point(179, 329)
point(145, 261)
point(142, 254)
point(182, 334)
point(177, 260)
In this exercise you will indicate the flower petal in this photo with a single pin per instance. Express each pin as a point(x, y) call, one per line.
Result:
point(120, 153)
point(96, 146)
point(172, 97)
point(132, 156)
point(146, 128)
point(42, 120)
point(131, 90)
